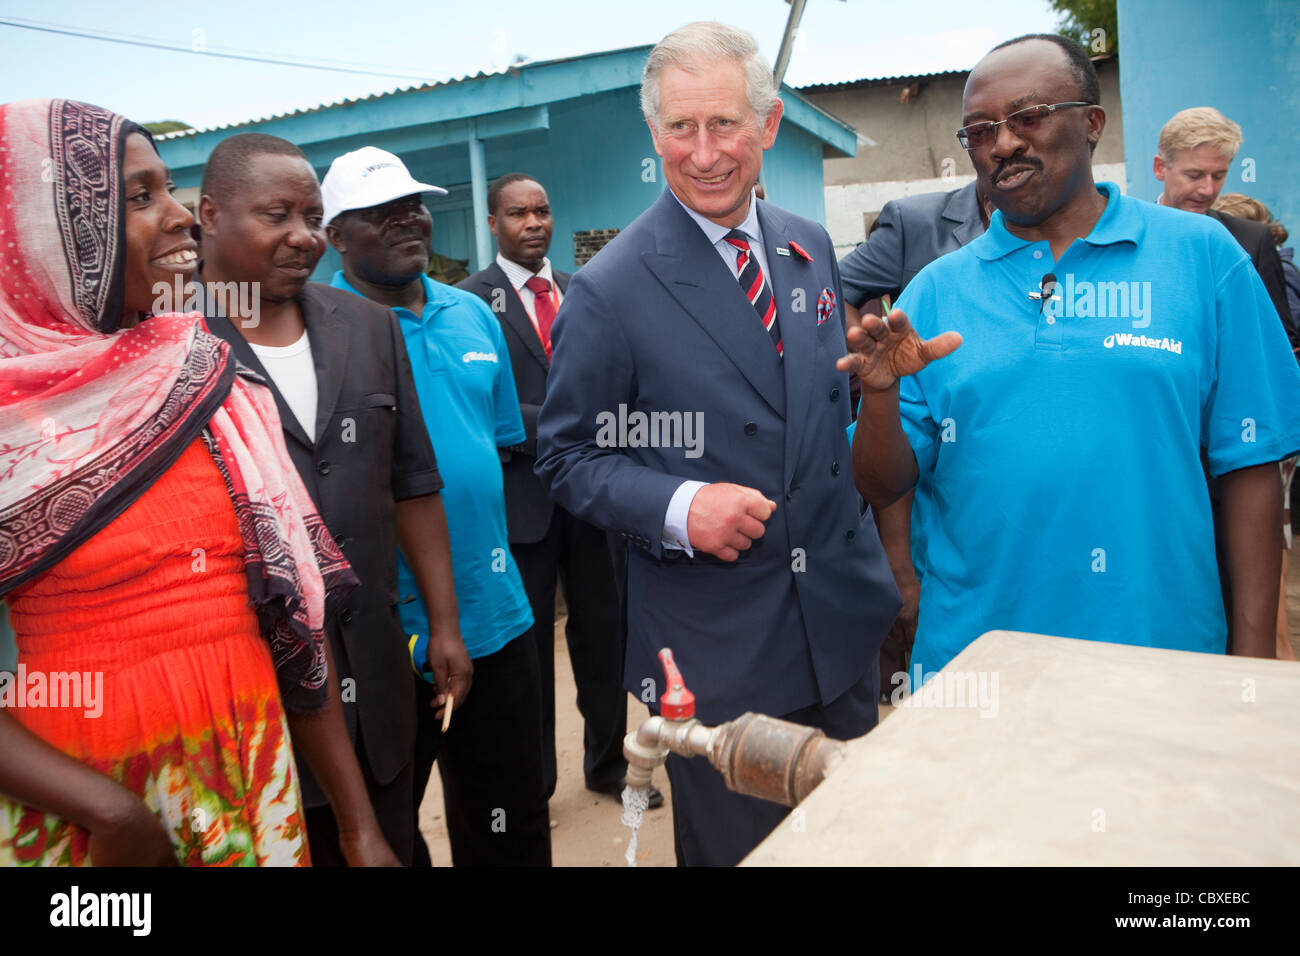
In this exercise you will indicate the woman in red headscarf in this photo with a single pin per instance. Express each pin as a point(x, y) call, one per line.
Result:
point(167, 575)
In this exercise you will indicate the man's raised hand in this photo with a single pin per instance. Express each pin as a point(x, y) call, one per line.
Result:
point(726, 519)
point(881, 352)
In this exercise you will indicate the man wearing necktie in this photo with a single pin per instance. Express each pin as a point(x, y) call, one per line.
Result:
point(546, 541)
point(749, 554)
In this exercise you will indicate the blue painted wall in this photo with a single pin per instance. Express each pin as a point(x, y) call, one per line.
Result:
point(1240, 56)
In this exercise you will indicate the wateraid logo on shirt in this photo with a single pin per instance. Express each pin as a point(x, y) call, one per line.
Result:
point(1142, 342)
point(1102, 300)
point(479, 357)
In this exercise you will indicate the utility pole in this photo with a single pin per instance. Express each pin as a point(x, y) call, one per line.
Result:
point(787, 41)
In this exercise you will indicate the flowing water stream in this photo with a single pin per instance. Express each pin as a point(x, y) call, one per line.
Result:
point(635, 802)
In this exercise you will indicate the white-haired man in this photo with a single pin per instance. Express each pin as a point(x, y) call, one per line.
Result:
point(750, 557)
point(1196, 150)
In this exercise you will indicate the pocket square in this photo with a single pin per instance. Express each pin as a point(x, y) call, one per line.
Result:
point(825, 305)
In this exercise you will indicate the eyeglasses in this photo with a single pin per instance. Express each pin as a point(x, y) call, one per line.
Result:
point(1023, 121)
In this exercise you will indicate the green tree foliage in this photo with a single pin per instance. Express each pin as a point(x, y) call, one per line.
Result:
point(165, 126)
point(1082, 19)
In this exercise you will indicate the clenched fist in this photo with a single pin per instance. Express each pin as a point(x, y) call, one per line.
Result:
point(726, 519)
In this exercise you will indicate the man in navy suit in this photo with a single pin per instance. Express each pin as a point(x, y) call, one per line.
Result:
point(694, 407)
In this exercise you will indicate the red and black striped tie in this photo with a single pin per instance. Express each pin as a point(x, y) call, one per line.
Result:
point(753, 283)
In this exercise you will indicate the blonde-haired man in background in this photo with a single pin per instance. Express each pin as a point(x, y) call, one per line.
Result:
point(1196, 149)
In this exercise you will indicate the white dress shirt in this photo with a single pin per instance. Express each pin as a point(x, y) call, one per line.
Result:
point(518, 275)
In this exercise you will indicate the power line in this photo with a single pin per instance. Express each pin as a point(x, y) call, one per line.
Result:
point(158, 45)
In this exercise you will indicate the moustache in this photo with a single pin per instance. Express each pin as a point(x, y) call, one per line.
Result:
point(1014, 162)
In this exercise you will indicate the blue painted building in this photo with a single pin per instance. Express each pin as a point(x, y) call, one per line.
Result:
point(574, 123)
point(1242, 58)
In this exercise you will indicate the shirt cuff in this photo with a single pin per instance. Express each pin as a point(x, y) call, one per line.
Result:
point(679, 509)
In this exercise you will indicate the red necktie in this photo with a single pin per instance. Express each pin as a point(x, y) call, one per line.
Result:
point(754, 285)
point(543, 308)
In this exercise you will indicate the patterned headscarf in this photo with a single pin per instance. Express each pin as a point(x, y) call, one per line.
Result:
point(91, 416)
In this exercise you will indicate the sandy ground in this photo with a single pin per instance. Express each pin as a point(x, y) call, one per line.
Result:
point(586, 827)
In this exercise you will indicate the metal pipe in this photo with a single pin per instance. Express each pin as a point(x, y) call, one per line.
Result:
point(757, 755)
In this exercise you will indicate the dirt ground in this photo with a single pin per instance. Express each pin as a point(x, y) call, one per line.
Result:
point(586, 828)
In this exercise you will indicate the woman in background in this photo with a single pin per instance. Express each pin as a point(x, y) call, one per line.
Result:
point(155, 539)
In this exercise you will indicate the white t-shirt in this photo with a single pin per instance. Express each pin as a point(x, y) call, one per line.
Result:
point(294, 374)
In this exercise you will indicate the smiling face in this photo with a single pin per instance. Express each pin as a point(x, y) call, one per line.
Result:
point(1193, 177)
point(268, 230)
point(522, 223)
point(1031, 176)
point(158, 243)
point(711, 140)
point(386, 245)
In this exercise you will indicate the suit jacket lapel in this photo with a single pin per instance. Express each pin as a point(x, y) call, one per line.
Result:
point(328, 333)
point(795, 282)
point(695, 275)
point(516, 316)
point(222, 327)
point(963, 209)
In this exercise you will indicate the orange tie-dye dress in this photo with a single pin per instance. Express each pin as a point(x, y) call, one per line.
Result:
point(191, 718)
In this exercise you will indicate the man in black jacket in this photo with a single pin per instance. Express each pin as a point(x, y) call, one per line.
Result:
point(338, 368)
point(546, 541)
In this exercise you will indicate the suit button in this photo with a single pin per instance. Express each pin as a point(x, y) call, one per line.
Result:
point(789, 493)
point(751, 429)
point(835, 468)
point(835, 394)
point(850, 535)
point(346, 616)
point(340, 540)
point(323, 468)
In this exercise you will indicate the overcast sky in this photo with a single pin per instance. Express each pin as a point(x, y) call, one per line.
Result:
point(435, 40)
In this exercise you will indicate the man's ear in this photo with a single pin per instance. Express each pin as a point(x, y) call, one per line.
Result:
point(1096, 124)
point(771, 124)
point(1158, 167)
point(654, 135)
point(335, 236)
point(492, 223)
point(208, 213)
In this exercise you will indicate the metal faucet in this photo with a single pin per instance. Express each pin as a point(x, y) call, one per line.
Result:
point(757, 755)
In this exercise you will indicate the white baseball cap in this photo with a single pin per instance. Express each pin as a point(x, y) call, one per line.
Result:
point(367, 177)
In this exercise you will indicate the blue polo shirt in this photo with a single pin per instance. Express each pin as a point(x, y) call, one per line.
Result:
point(1061, 486)
point(467, 396)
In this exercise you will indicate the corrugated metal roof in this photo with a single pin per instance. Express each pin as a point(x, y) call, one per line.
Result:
point(878, 81)
point(414, 88)
point(907, 78)
point(346, 101)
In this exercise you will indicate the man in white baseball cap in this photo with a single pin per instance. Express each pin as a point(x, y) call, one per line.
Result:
point(490, 757)
point(367, 177)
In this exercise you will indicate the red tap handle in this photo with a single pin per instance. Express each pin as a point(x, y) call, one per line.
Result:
point(678, 703)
